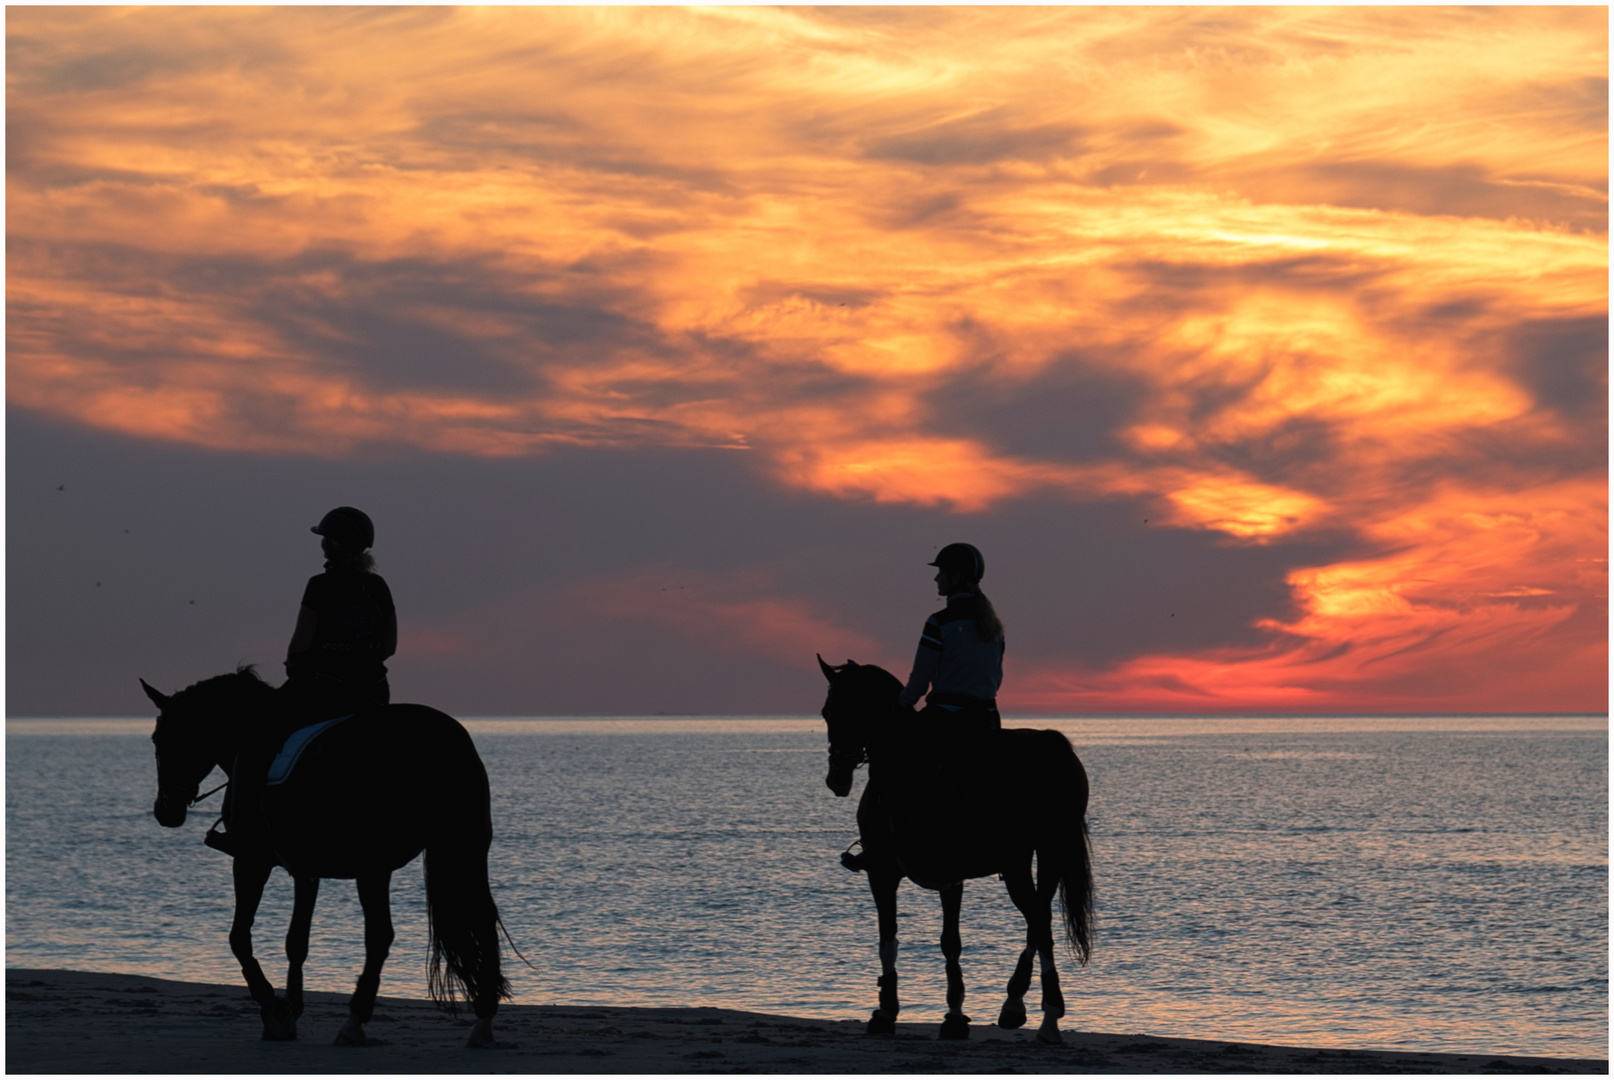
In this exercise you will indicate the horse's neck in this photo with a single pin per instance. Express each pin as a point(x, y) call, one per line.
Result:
point(239, 725)
point(884, 735)
point(224, 746)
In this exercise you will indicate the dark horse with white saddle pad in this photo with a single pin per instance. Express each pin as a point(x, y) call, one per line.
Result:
point(944, 806)
point(367, 794)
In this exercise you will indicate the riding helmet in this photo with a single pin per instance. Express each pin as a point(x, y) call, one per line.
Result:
point(963, 561)
point(347, 526)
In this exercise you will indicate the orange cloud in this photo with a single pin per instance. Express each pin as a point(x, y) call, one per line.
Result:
point(1504, 600)
point(1313, 245)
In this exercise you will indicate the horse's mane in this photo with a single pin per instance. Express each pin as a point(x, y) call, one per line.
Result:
point(863, 695)
point(871, 682)
point(244, 681)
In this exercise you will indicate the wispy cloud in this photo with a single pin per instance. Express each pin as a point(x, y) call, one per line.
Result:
point(1276, 271)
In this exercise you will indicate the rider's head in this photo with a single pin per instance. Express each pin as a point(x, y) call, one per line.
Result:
point(348, 529)
point(961, 563)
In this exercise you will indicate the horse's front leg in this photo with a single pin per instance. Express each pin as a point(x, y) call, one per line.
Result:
point(883, 882)
point(302, 918)
point(251, 875)
point(377, 905)
point(956, 1025)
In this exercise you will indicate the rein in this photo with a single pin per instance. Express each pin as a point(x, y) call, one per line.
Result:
point(199, 798)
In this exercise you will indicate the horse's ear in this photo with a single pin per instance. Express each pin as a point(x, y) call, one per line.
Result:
point(829, 672)
point(158, 698)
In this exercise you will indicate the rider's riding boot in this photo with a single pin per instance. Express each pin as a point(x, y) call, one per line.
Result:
point(228, 831)
point(216, 837)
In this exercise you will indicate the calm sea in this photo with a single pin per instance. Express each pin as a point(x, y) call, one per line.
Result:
point(1417, 883)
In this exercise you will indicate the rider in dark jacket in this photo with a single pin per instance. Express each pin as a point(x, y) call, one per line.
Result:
point(346, 626)
point(346, 629)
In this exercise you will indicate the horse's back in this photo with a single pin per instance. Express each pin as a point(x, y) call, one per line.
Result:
point(970, 808)
point(1045, 758)
point(373, 790)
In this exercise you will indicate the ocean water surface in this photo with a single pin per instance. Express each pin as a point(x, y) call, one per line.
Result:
point(1408, 883)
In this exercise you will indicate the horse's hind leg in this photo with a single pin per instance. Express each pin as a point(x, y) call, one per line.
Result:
point(883, 882)
point(377, 905)
point(956, 1025)
point(1035, 902)
point(279, 1025)
point(1053, 1002)
point(464, 939)
point(302, 918)
point(1024, 894)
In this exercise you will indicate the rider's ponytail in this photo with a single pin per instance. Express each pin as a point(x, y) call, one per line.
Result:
point(986, 616)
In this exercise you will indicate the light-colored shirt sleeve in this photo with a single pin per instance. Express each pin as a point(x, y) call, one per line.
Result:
point(926, 657)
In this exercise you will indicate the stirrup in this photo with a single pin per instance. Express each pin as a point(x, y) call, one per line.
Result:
point(220, 840)
point(854, 861)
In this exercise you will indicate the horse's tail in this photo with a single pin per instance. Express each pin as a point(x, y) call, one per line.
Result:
point(1073, 848)
point(461, 914)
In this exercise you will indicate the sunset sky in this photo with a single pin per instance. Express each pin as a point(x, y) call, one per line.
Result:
point(1262, 351)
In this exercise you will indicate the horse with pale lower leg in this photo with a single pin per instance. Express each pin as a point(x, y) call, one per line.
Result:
point(1003, 799)
point(376, 790)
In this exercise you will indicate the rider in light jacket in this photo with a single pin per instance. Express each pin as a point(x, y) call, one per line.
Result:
point(960, 655)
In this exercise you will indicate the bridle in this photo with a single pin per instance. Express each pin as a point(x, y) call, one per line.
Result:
point(842, 759)
point(848, 759)
point(164, 793)
point(172, 804)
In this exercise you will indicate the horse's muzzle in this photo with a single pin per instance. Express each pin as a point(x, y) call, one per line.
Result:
point(170, 814)
point(839, 780)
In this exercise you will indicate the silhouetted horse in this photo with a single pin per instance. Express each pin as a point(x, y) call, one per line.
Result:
point(364, 800)
point(942, 807)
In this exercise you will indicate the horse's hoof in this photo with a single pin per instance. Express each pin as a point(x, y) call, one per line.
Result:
point(482, 1037)
point(279, 1025)
point(1013, 1016)
point(955, 1026)
point(881, 1024)
point(352, 1034)
point(1049, 1035)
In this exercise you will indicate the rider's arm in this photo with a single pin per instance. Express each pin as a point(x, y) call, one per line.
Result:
point(926, 657)
point(375, 590)
point(302, 638)
point(389, 618)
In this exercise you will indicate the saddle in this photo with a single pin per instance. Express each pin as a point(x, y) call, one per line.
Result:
point(291, 751)
point(944, 797)
point(257, 773)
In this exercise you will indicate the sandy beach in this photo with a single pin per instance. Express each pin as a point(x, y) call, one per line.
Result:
point(88, 1022)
